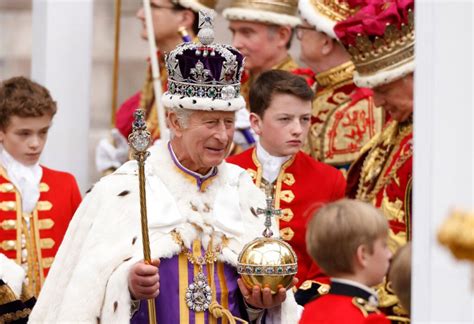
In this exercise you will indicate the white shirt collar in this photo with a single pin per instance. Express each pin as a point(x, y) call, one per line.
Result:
point(25, 178)
point(271, 165)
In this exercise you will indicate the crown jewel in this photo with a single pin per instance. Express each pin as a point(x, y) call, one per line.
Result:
point(202, 76)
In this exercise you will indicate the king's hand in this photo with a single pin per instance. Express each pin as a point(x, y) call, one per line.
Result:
point(144, 280)
point(263, 298)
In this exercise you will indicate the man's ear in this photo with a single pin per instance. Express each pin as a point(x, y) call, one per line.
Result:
point(187, 19)
point(284, 35)
point(2, 135)
point(328, 45)
point(256, 123)
point(174, 124)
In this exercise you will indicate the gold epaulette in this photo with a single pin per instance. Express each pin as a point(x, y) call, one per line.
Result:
point(364, 306)
point(322, 290)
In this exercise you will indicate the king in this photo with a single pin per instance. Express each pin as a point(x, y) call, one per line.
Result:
point(198, 209)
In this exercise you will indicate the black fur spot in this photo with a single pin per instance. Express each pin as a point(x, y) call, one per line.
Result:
point(89, 190)
point(181, 106)
point(97, 319)
point(212, 108)
point(194, 101)
point(171, 98)
point(125, 260)
point(229, 104)
point(123, 193)
point(134, 240)
point(182, 97)
point(115, 306)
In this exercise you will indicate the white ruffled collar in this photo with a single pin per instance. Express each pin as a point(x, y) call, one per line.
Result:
point(271, 165)
point(25, 178)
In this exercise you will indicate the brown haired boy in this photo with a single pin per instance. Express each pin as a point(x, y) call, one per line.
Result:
point(348, 239)
point(37, 203)
point(280, 105)
point(400, 275)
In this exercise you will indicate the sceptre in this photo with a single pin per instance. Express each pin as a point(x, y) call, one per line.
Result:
point(139, 140)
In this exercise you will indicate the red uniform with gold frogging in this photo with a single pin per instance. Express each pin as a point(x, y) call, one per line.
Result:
point(301, 184)
point(35, 246)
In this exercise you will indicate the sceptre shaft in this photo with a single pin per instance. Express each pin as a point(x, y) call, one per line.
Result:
point(115, 76)
point(155, 71)
point(140, 140)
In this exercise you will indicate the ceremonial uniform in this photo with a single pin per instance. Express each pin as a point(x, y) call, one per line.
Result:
point(33, 239)
point(15, 301)
point(302, 183)
point(383, 54)
point(346, 303)
point(344, 118)
point(144, 99)
point(288, 64)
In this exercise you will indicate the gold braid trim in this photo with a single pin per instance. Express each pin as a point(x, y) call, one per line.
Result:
point(6, 294)
point(10, 317)
point(377, 161)
point(336, 75)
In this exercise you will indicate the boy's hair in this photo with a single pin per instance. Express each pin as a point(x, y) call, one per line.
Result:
point(22, 97)
point(400, 275)
point(338, 229)
point(277, 81)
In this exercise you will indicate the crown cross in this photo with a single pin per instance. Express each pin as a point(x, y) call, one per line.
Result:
point(199, 73)
point(269, 211)
point(229, 69)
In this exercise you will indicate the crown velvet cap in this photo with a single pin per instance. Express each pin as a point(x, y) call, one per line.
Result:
point(204, 76)
point(381, 40)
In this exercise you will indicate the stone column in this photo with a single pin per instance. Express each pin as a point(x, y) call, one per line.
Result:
point(61, 61)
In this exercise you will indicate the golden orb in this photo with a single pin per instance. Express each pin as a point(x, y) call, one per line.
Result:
point(267, 262)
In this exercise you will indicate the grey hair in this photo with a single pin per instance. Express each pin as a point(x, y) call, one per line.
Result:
point(182, 115)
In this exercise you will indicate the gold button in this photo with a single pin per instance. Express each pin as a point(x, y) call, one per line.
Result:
point(7, 187)
point(8, 245)
point(287, 196)
point(287, 233)
point(8, 224)
point(286, 215)
point(43, 187)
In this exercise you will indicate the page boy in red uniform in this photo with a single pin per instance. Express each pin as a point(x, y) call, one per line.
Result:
point(348, 239)
point(280, 105)
point(36, 203)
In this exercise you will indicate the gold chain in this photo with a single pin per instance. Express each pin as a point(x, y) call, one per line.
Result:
point(209, 257)
point(377, 157)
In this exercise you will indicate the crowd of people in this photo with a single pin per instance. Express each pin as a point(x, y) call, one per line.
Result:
point(329, 143)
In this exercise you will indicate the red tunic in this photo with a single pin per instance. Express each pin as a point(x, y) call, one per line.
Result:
point(303, 183)
point(382, 175)
point(145, 97)
point(344, 118)
point(344, 304)
point(35, 248)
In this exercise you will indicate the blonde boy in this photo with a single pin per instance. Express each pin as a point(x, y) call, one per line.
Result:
point(348, 240)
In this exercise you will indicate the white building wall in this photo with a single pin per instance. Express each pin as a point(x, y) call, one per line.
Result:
point(443, 161)
point(61, 61)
